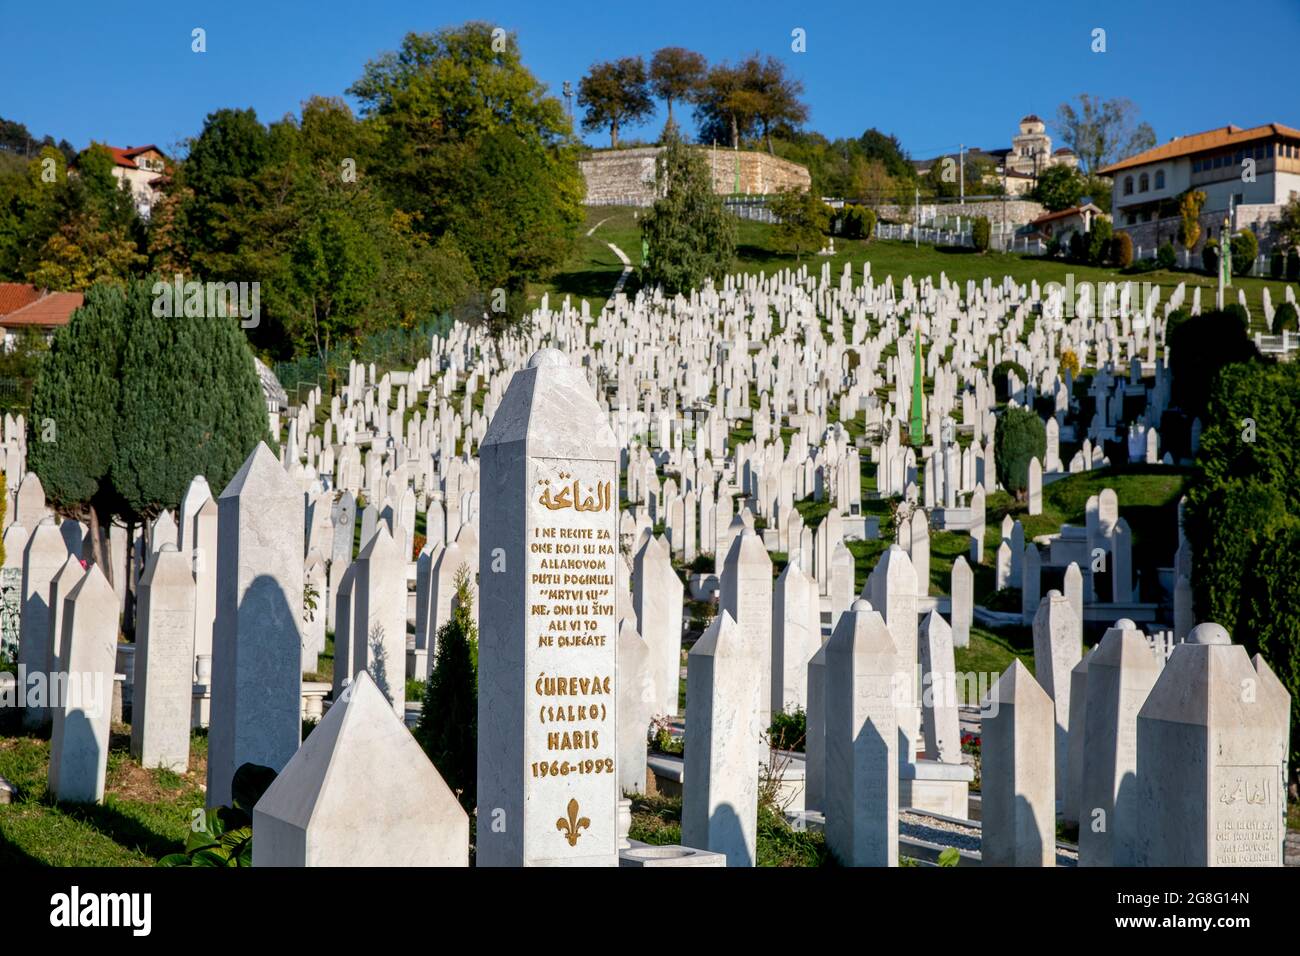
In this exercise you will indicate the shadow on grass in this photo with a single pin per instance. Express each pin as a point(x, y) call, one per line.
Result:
point(123, 830)
point(590, 284)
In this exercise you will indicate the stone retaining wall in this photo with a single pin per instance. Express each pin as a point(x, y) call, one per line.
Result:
point(625, 177)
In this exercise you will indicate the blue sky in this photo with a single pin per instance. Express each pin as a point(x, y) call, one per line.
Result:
point(934, 72)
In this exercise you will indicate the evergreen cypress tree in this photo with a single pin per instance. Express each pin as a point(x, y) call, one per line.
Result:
point(190, 404)
point(75, 410)
point(448, 726)
point(689, 235)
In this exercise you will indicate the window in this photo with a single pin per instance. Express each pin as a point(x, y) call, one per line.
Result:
point(1143, 183)
point(1160, 179)
point(1196, 165)
point(1268, 151)
point(1128, 185)
point(1218, 161)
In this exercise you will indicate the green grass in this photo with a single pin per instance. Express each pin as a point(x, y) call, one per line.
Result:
point(992, 653)
point(145, 815)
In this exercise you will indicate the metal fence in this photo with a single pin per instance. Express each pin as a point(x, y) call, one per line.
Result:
point(1280, 346)
point(1000, 241)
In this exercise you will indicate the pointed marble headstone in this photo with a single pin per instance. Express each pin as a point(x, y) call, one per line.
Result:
point(657, 594)
point(548, 629)
point(82, 715)
point(257, 637)
point(1018, 816)
point(360, 792)
point(164, 663)
point(724, 687)
point(861, 740)
point(379, 617)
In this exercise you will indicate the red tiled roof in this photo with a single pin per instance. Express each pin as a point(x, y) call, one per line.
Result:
point(15, 295)
point(126, 157)
point(1224, 136)
point(1072, 211)
point(51, 309)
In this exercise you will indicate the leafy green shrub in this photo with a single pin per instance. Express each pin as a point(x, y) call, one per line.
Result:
point(1210, 256)
point(1019, 436)
point(1099, 240)
point(1293, 266)
point(1276, 263)
point(448, 725)
point(1245, 247)
point(224, 836)
point(789, 731)
point(1242, 517)
point(1166, 257)
point(1285, 319)
point(1121, 250)
point(1199, 347)
point(1001, 381)
point(1238, 312)
point(1079, 247)
point(981, 233)
point(857, 222)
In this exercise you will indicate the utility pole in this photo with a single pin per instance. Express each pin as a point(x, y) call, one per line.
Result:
point(916, 219)
point(567, 89)
point(961, 172)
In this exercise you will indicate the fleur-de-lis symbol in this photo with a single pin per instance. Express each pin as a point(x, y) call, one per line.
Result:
point(571, 827)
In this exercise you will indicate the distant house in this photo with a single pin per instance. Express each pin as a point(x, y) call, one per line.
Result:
point(1059, 225)
point(144, 168)
point(1255, 171)
point(24, 306)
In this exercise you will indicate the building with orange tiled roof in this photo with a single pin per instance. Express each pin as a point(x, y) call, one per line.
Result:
point(144, 169)
point(1255, 171)
point(24, 306)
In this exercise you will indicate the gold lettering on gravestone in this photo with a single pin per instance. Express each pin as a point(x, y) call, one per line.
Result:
point(572, 577)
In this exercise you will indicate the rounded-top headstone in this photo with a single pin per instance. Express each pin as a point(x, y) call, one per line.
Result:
point(1208, 634)
point(168, 546)
point(549, 358)
point(1124, 624)
point(861, 605)
point(1054, 595)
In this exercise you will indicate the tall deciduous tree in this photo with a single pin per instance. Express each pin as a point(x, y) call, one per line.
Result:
point(675, 75)
point(776, 96)
point(689, 234)
point(1103, 131)
point(614, 95)
point(1059, 187)
point(725, 108)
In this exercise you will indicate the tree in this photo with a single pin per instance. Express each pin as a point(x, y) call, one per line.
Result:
point(725, 107)
point(615, 94)
point(189, 402)
point(128, 407)
point(675, 75)
point(1102, 132)
point(775, 95)
point(981, 232)
point(1199, 347)
point(1288, 226)
point(1241, 518)
point(1018, 436)
point(433, 106)
point(802, 221)
point(448, 725)
point(76, 395)
point(887, 149)
point(1189, 211)
point(1245, 249)
point(1285, 319)
point(689, 235)
point(1099, 241)
point(1059, 187)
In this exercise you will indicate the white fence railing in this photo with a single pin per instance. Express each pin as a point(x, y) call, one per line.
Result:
point(1001, 242)
point(1278, 345)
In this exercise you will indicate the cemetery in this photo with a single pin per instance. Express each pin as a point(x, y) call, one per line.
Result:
point(804, 569)
point(411, 481)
